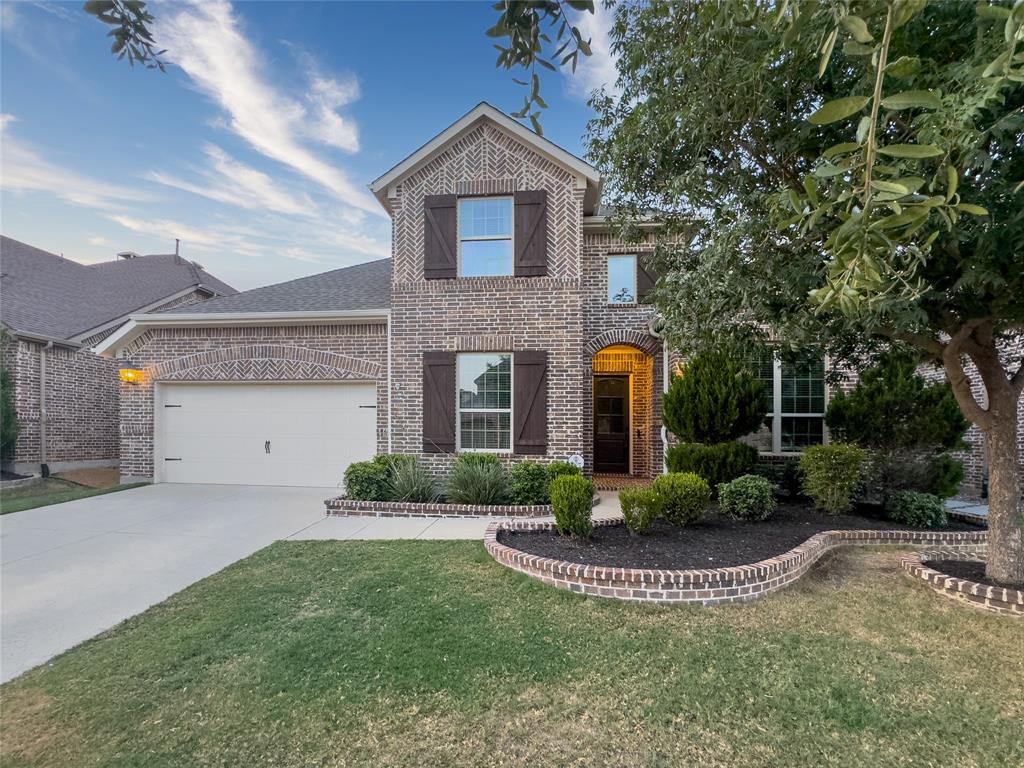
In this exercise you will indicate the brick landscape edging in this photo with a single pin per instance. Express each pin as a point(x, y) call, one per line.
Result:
point(1002, 600)
point(342, 507)
point(710, 586)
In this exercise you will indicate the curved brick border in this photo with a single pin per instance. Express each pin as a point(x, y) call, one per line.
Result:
point(704, 586)
point(997, 599)
point(342, 507)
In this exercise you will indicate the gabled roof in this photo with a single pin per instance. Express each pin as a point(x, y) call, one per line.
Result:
point(357, 294)
point(363, 286)
point(49, 296)
point(585, 173)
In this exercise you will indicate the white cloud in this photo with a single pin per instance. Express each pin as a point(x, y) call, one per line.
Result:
point(227, 180)
point(167, 230)
point(24, 169)
point(597, 70)
point(206, 41)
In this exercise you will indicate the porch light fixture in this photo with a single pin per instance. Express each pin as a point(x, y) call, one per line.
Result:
point(130, 375)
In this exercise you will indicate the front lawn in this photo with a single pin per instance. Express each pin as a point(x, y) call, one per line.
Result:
point(430, 654)
point(49, 490)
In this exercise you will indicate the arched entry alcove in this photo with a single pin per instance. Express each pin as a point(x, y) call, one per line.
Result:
point(622, 426)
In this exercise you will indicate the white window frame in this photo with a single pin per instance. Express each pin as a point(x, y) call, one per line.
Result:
point(511, 236)
point(608, 279)
point(776, 414)
point(511, 406)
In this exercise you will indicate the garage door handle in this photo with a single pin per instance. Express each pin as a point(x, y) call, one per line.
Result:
point(266, 446)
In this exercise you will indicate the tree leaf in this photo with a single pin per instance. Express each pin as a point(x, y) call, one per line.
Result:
point(890, 186)
point(853, 48)
point(838, 109)
point(840, 149)
point(858, 28)
point(911, 150)
point(826, 50)
point(976, 210)
point(862, 129)
point(911, 100)
point(904, 66)
point(951, 182)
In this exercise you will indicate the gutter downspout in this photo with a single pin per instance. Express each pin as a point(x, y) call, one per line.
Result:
point(44, 467)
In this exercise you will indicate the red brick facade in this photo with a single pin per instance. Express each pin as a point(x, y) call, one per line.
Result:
point(284, 353)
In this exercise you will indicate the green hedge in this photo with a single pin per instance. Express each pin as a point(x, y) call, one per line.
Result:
point(718, 463)
point(572, 502)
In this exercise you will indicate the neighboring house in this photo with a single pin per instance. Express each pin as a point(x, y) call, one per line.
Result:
point(54, 310)
point(509, 319)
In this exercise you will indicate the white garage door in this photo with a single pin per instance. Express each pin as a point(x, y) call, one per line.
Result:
point(264, 434)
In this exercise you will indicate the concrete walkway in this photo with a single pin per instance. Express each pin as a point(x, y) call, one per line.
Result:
point(72, 570)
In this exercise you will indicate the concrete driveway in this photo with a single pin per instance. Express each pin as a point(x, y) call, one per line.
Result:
point(72, 570)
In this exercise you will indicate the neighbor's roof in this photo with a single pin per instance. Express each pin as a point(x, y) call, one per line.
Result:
point(48, 295)
point(588, 175)
point(361, 287)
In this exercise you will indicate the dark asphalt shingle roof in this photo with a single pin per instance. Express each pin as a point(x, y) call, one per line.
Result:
point(45, 294)
point(363, 286)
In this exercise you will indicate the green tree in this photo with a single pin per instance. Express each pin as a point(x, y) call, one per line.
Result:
point(852, 173)
point(9, 427)
point(715, 399)
point(130, 24)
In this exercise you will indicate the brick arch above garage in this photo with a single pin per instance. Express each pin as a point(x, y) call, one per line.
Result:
point(266, 362)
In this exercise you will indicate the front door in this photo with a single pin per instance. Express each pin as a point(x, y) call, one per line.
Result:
point(611, 424)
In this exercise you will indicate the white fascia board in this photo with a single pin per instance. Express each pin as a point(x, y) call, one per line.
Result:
point(139, 324)
point(581, 168)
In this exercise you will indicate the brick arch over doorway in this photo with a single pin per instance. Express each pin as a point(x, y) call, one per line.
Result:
point(616, 368)
point(642, 341)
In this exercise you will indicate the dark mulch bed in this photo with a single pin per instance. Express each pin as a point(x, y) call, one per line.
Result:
point(5, 475)
point(969, 570)
point(716, 541)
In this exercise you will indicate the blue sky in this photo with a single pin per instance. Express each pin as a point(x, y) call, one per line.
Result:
point(256, 146)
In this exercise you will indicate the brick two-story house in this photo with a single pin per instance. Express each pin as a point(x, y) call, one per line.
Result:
point(509, 319)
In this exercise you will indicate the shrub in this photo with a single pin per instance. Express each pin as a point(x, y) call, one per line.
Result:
point(9, 427)
point(831, 474)
point(368, 481)
point(393, 460)
point(917, 510)
point(785, 476)
point(716, 399)
point(476, 459)
point(572, 501)
point(682, 497)
point(748, 497)
point(717, 464)
point(410, 481)
point(482, 483)
point(530, 483)
point(560, 468)
point(945, 474)
point(641, 507)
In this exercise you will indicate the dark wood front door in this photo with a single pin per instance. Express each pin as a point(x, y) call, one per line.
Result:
point(611, 424)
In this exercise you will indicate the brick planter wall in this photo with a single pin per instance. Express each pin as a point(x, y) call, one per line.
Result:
point(703, 586)
point(342, 507)
point(1009, 602)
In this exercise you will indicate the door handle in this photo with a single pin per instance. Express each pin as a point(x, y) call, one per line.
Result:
point(266, 446)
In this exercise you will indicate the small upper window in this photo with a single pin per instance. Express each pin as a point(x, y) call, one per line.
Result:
point(485, 236)
point(622, 279)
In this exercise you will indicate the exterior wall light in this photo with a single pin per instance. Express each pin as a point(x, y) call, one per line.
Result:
point(130, 375)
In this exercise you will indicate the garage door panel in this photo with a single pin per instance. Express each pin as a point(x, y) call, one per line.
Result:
point(218, 433)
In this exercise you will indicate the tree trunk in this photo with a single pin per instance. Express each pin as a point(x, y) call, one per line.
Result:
point(1005, 546)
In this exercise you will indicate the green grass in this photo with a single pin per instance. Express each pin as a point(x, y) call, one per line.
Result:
point(49, 490)
point(430, 654)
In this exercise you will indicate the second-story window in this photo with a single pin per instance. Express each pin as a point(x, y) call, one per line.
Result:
point(485, 236)
point(622, 288)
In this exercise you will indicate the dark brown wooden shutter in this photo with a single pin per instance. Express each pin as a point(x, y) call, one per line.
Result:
point(438, 402)
point(531, 234)
point(530, 402)
point(439, 237)
point(646, 277)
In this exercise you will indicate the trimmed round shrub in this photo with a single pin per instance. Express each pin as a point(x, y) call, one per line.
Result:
point(481, 483)
point(641, 507)
point(917, 510)
point(945, 474)
point(572, 502)
point(682, 497)
point(716, 399)
point(410, 481)
point(368, 481)
point(478, 458)
point(831, 475)
point(748, 498)
point(560, 468)
point(718, 463)
point(530, 482)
